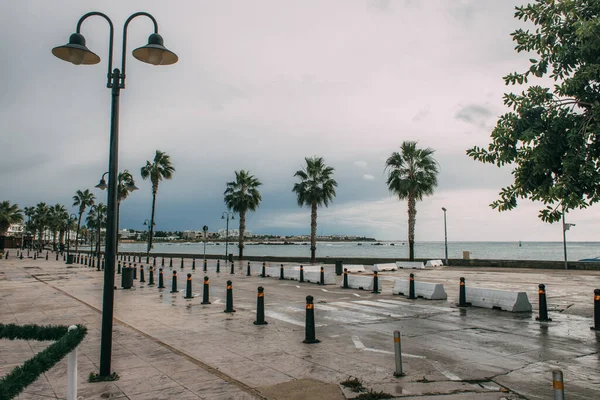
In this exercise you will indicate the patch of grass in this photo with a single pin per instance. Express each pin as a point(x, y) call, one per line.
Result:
point(354, 384)
point(94, 377)
point(372, 395)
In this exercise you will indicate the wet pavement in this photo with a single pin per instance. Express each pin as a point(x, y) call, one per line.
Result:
point(199, 350)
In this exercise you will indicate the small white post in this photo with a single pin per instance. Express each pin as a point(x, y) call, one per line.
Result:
point(72, 372)
point(398, 351)
point(557, 384)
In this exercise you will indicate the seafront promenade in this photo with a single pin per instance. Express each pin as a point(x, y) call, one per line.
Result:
point(166, 346)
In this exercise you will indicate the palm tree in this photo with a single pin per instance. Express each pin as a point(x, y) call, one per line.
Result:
point(9, 214)
point(56, 221)
point(83, 200)
point(29, 211)
point(156, 171)
point(96, 219)
point(40, 220)
point(242, 196)
point(316, 188)
point(412, 174)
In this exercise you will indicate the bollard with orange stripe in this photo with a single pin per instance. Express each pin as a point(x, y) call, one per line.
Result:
point(411, 287)
point(232, 270)
point(543, 312)
point(174, 282)
point(558, 385)
point(161, 279)
point(229, 301)
point(322, 277)
point(375, 283)
point(248, 270)
point(188, 287)
point(262, 272)
point(119, 268)
point(181, 262)
point(218, 266)
point(345, 278)
point(154, 261)
point(170, 262)
point(151, 277)
point(162, 263)
point(596, 326)
point(260, 307)
point(398, 353)
point(46, 255)
point(193, 263)
point(301, 273)
point(462, 294)
point(205, 267)
point(281, 273)
point(310, 335)
point(205, 291)
point(142, 280)
point(134, 269)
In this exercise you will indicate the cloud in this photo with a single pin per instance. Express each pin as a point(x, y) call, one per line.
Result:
point(474, 114)
point(368, 177)
point(360, 164)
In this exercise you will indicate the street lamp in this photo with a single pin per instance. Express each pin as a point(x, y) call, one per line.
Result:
point(71, 218)
point(205, 231)
point(445, 234)
point(147, 223)
point(566, 227)
point(77, 53)
point(228, 215)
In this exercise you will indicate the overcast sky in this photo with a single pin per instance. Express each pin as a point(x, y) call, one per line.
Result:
point(260, 85)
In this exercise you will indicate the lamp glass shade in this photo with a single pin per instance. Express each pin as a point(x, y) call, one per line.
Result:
point(76, 52)
point(131, 187)
point(155, 52)
point(102, 184)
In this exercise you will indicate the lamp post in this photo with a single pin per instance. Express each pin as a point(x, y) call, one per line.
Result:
point(566, 227)
point(445, 235)
point(227, 215)
point(147, 223)
point(77, 53)
point(205, 231)
point(71, 218)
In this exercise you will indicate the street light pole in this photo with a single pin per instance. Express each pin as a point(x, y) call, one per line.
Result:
point(566, 227)
point(77, 53)
point(445, 234)
point(227, 215)
point(69, 235)
point(147, 222)
point(205, 231)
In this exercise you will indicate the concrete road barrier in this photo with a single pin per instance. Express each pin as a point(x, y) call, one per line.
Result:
point(308, 268)
point(500, 299)
point(354, 268)
point(410, 264)
point(430, 291)
point(385, 267)
point(315, 277)
point(362, 282)
point(434, 263)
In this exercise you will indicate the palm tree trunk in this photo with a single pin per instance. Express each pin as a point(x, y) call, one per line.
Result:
point(412, 213)
point(77, 234)
point(241, 237)
point(61, 236)
point(154, 190)
point(313, 232)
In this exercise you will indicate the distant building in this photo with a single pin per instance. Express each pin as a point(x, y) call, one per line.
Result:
point(15, 230)
point(233, 233)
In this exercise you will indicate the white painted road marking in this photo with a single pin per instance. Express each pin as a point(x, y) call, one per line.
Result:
point(444, 372)
point(285, 318)
point(359, 345)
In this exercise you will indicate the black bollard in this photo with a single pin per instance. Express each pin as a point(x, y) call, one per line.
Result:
point(154, 261)
point(129, 257)
point(46, 255)
point(142, 280)
point(232, 271)
point(205, 291)
point(218, 266)
point(281, 275)
point(88, 260)
point(188, 287)
point(161, 280)
point(134, 271)
point(310, 336)
point(21, 256)
point(205, 267)
point(375, 283)
point(543, 312)
point(263, 271)
point(462, 295)
point(411, 287)
point(260, 307)
point(229, 303)
point(119, 268)
point(174, 284)
point(193, 263)
point(322, 280)
point(345, 278)
point(181, 262)
point(301, 273)
point(147, 259)
point(248, 269)
point(56, 256)
point(170, 262)
point(151, 277)
point(162, 263)
point(596, 326)
point(34, 256)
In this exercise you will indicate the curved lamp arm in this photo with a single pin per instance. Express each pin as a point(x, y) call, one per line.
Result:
point(124, 54)
point(110, 43)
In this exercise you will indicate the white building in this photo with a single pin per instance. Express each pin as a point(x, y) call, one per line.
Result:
point(233, 233)
point(15, 230)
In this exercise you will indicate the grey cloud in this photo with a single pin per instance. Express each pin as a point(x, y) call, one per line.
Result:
point(474, 114)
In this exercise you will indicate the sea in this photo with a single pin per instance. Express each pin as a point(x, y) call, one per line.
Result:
point(551, 251)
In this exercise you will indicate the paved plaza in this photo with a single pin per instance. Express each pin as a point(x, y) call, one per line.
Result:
point(169, 347)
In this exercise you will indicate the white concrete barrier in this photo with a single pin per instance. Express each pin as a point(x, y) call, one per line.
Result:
point(385, 267)
point(500, 299)
point(308, 268)
point(354, 268)
point(410, 264)
point(362, 282)
point(434, 263)
point(315, 277)
point(293, 274)
point(273, 272)
point(431, 291)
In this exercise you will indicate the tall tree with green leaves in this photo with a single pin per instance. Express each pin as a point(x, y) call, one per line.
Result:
point(126, 185)
point(83, 200)
point(28, 211)
point(9, 214)
point(157, 170)
point(550, 135)
point(95, 221)
point(241, 196)
point(315, 188)
point(412, 174)
point(40, 221)
point(57, 217)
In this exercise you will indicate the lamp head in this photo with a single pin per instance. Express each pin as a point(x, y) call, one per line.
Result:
point(222, 217)
point(102, 184)
point(155, 52)
point(131, 186)
point(444, 208)
point(76, 52)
